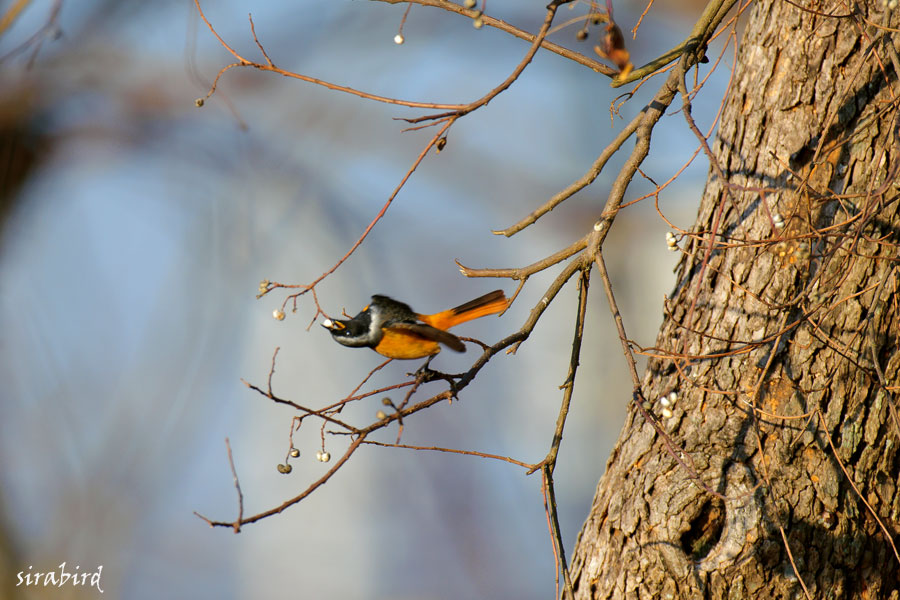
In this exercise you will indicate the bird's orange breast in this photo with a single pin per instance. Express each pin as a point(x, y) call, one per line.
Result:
point(406, 345)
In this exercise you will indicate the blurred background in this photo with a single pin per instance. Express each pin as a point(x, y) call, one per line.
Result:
point(135, 229)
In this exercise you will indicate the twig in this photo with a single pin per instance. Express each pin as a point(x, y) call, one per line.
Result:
point(548, 465)
point(617, 317)
point(568, 385)
point(236, 525)
point(309, 412)
point(524, 273)
point(453, 451)
point(553, 545)
point(244, 62)
point(237, 487)
point(12, 13)
point(547, 474)
point(881, 380)
point(637, 395)
point(272, 369)
point(790, 554)
point(514, 31)
point(581, 183)
point(258, 44)
point(821, 14)
point(369, 376)
point(834, 452)
point(37, 38)
point(506, 83)
point(641, 18)
point(712, 15)
point(573, 267)
point(309, 490)
point(310, 286)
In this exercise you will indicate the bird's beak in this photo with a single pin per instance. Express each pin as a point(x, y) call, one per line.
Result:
point(333, 326)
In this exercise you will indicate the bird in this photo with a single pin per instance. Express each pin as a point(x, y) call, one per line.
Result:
point(612, 44)
point(395, 330)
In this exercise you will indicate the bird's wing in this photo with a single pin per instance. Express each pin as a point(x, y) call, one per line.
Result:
point(429, 332)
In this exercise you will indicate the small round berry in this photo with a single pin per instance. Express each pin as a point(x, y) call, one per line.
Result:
point(199, 102)
point(285, 468)
point(469, 3)
point(581, 35)
point(478, 22)
point(295, 452)
point(325, 457)
point(398, 39)
point(278, 314)
point(380, 415)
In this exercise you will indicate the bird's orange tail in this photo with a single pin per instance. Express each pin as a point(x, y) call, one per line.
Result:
point(488, 304)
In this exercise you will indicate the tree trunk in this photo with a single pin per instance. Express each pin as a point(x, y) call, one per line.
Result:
point(780, 344)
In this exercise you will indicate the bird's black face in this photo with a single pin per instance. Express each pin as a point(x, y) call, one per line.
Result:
point(356, 332)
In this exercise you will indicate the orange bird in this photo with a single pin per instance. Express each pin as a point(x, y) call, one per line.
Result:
point(393, 329)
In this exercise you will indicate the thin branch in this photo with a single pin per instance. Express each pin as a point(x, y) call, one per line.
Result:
point(547, 473)
point(307, 287)
point(237, 487)
point(712, 15)
point(514, 31)
point(637, 394)
point(787, 547)
point(548, 465)
point(310, 412)
point(12, 13)
point(834, 452)
point(526, 60)
point(288, 503)
point(269, 66)
point(553, 545)
point(568, 385)
point(534, 316)
point(453, 451)
point(524, 273)
point(46, 30)
point(581, 183)
point(236, 525)
point(821, 14)
point(272, 369)
point(258, 44)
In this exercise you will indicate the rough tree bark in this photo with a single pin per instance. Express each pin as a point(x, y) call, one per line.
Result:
point(781, 344)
